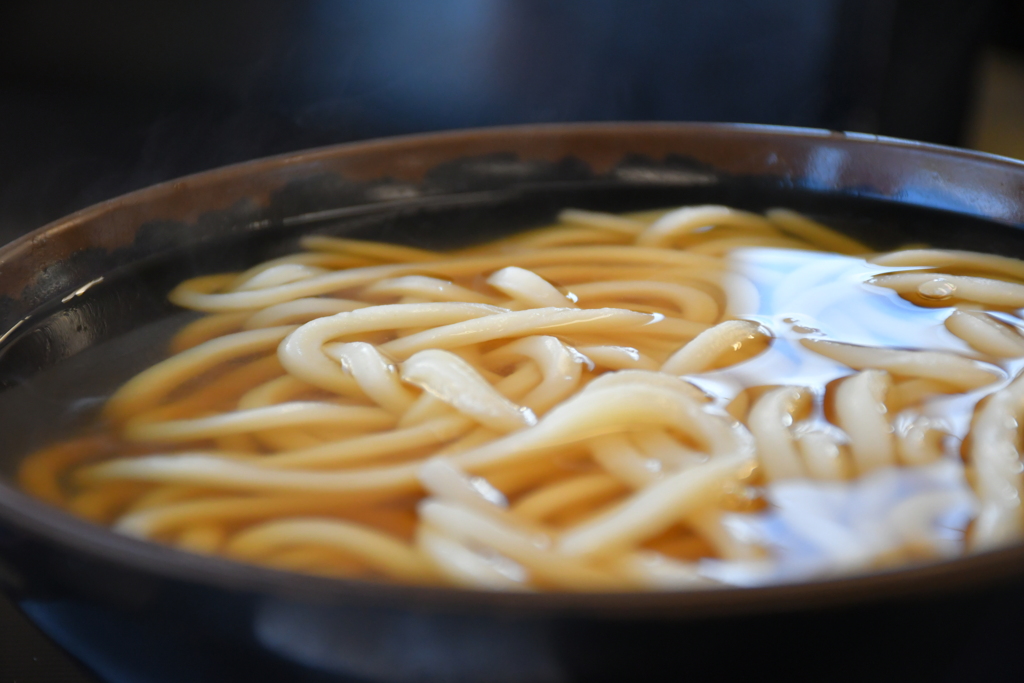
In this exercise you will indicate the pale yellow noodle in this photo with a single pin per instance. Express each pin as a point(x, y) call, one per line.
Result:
point(768, 422)
point(165, 495)
point(676, 329)
point(941, 286)
point(628, 378)
point(281, 274)
point(322, 260)
point(375, 374)
point(694, 304)
point(562, 236)
point(570, 274)
point(376, 250)
point(915, 520)
point(458, 384)
point(861, 412)
point(911, 392)
point(203, 469)
point(601, 411)
point(543, 502)
point(710, 523)
point(624, 461)
point(560, 368)
point(158, 517)
point(297, 311)
point(206, 328)
point(814, 232)
point(824, 456)
point(657, 507)
point(516, 324)
point(742, 297)
point(191, 294)
point(647, 216)
point(739, 406)
point(296, 413)
point(380, 551)
point(986, 334)
point(660, 445)
point(196, 295)
point(466, 568)
point(602, 221)
point(656, 348)
point(471, 439)
point(528, 289)
point(918, 440)
point(699, 354)
point(217, 282)
point(442, 479)
point(513, 481)
point(40, 474)
point(618, 357)
point(943, 258)
point(211, 396)
point(535, 552)
point(302, 354)
point(654, 571)
point(277, 390)
point(283, 439)
point(364, 448)
point(150, 386)
point(427, 288)
point(958, 371)
point(513, 387)
point(722, 247)
point(998, 478)
point(663, 231)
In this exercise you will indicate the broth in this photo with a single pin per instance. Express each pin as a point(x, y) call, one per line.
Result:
point(581, 511)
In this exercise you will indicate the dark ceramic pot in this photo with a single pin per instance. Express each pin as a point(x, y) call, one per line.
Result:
point(82, 302)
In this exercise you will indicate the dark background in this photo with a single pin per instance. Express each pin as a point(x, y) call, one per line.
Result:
point(100, 98)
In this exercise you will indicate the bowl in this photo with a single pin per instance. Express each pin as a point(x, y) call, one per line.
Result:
point(83, 307)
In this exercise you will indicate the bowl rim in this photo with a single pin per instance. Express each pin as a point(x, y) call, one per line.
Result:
point(397, 142)
point(56, 527)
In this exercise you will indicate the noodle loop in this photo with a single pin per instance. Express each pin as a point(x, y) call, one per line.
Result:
point(667, 400)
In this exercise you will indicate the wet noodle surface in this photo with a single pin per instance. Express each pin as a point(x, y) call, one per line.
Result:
point(671, 399)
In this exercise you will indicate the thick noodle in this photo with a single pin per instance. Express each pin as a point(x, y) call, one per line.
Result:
point(615, 402)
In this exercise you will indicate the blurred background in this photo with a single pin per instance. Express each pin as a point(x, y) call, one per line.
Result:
point(100, 98)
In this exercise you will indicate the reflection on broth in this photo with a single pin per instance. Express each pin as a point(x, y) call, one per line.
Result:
point(667, 400)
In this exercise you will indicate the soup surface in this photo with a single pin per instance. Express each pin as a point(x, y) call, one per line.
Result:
point(673, 399)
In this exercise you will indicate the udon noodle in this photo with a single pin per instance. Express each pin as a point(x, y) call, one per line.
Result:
point(663, 400)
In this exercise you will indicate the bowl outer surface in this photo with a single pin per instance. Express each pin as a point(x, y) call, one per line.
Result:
point(48, 555)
